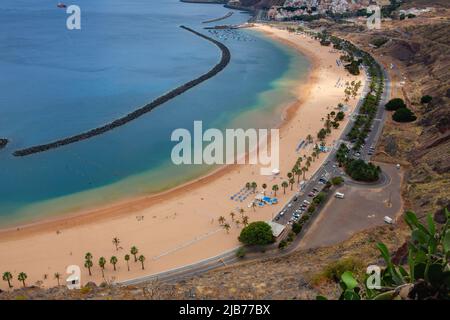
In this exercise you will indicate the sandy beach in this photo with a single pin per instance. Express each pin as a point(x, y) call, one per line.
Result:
point(180, 226)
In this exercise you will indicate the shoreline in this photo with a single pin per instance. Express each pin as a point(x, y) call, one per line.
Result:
point(180, 225)
point(122, 207)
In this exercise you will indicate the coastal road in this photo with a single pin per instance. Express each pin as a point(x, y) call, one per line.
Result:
point(330, 168)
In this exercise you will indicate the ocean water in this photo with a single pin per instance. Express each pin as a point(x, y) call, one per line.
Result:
point(55, 82)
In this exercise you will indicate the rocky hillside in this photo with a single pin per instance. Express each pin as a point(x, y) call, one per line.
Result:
point(419, 50)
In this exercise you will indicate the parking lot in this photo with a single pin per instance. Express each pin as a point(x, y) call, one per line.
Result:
point(363, 207)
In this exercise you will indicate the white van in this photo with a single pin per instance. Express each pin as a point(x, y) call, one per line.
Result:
point(339, 195)
point(388, 220)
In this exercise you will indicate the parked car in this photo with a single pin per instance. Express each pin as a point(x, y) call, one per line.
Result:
point(339, 195)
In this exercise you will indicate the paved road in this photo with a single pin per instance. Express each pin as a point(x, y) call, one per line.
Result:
point(330, 169)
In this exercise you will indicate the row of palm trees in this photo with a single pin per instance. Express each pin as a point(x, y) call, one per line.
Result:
point(251, 185)
point(8, 277)
point(88, 263)
point(102, 262)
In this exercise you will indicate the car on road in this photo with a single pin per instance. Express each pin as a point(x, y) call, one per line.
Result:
point(277, 218)
point(289, 205)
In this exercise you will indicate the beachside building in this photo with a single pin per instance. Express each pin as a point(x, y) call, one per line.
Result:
point(277, 228)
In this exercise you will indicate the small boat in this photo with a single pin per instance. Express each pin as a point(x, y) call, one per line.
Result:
point(61, 5)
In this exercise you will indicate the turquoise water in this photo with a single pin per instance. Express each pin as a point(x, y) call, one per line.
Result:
point(55, 82)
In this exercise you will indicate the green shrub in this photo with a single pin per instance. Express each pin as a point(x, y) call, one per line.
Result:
point(361, 171)
point(379, 41)
point(282, 244)
point(240, 253)
point(404, 115)
point(297, 227)
point(426, 99)
point(257, 233)
point(319, 198)
point(334, 270)
point(336, 181)
point(312, 208)
point(395, 104)
point(291, 236)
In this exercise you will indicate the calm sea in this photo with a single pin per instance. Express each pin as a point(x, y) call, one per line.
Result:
point(55, 82)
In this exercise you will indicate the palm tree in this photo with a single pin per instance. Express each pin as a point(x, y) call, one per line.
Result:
point(275, 188)
point(113, 261)
point(289, 175)
point(309, 138)
point(248, 185)
point(232, 214)
point(264, 186)
point(245, 221)
point(7, 276)
point(116, 242)
point(88, 256)
point(127, 259)
point(142, 259)
point(284, 184)
point(254, 186)
point(314, 155)
point(254, 206)
point(102, 263)
point(291, 182)
point(57, 276)
point(88, 264)
point(22, 277)
point(298, 172)
point(227, 227)
point(237, 223)
point(304, 169)
point(221, 220)
point(134, 251)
